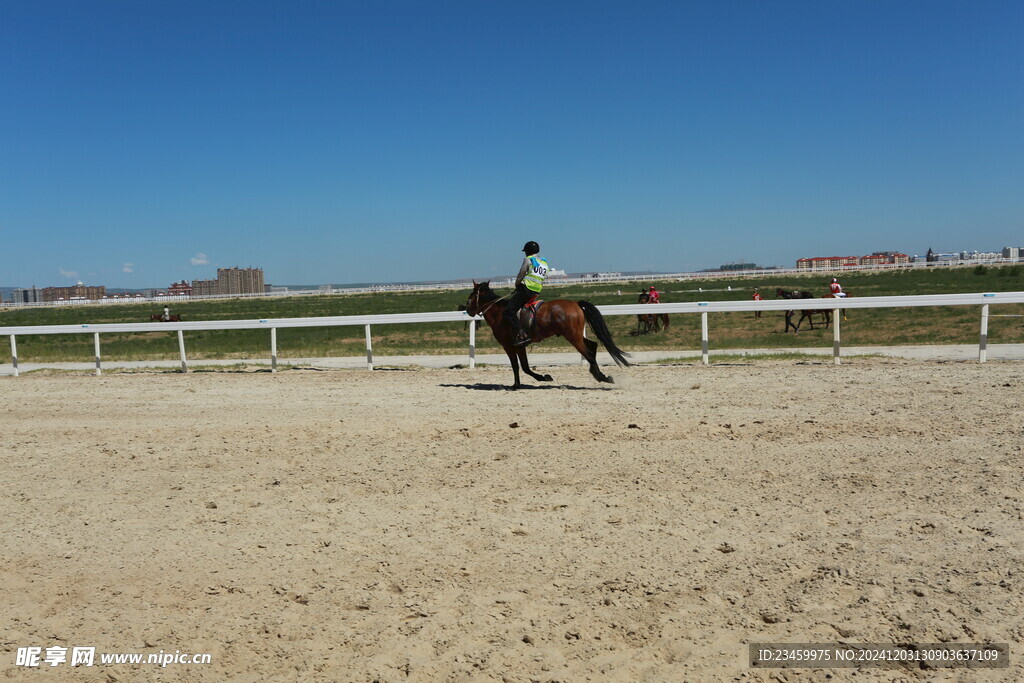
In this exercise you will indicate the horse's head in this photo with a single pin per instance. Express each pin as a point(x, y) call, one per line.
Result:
point(479, 297)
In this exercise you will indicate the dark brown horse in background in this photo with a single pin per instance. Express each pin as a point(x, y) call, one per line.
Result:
point(554, 318)
point(645, 323)
point(173, 318)
point(805, 314)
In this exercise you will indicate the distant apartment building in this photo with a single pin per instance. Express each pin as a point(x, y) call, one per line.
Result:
point(26, 296)
point(231, 281)
point(1012, 252)
point(826, 262)
point(833, 262)
point(79, 291)
point(204, 287)
point(182, 288)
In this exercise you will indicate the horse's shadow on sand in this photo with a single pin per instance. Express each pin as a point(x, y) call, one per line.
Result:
point(480, 386)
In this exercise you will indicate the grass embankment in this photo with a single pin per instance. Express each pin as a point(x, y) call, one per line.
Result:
point(938, 325)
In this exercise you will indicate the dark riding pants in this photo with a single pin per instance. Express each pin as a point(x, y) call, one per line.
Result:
point(520, 297)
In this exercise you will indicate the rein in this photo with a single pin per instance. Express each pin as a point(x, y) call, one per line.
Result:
point(490, 303)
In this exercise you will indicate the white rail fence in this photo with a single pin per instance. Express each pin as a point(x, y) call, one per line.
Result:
point(704, 308)
point(561, 281)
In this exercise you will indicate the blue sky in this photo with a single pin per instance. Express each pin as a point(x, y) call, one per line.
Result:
point(146, 142)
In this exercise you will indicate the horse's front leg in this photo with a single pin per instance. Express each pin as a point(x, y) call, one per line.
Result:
point(511, 353)
point(804, 315)
point(521, 352)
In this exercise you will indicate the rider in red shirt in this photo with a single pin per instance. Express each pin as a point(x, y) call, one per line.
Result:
point(653, 296)
point(836, 289)
point(757, 297)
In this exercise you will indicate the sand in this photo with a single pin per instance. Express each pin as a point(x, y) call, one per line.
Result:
point(428, 525)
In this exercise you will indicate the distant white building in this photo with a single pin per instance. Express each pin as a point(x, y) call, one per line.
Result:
point(1011, 252)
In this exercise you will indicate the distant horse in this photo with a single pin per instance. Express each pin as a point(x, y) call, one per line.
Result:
point(644, 323)
point(172, 318)
point(804, 314)
point(553, 318)
point(833, 296)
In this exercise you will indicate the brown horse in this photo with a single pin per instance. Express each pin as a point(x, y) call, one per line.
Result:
point(833, 296)
point(644, 323)
point(804, 314)
point(554, 318)
point(173, 318)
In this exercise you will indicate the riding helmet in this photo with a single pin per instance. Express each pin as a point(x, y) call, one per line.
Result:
point(531, 248)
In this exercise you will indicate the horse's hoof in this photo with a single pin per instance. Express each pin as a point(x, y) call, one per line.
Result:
point(608, 379)
point(547, 378)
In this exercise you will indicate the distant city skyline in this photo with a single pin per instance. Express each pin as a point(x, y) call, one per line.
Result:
point(146, 143)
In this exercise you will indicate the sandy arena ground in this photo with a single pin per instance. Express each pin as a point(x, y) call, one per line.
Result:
point(398, 525)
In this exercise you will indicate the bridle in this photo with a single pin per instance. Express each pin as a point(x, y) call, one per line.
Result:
point(475, 299)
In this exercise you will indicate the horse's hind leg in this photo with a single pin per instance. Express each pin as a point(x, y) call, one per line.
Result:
point(588, 349)
point(521, 352)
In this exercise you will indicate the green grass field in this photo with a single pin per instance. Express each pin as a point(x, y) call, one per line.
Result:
point(938, 325)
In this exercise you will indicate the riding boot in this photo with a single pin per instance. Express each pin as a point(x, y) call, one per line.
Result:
point(519, 336)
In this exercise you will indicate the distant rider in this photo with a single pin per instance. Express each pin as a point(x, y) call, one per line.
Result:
point(652, 296)
point(757, 297)
point(529, 282)
point(836, 289)
point(167, 314)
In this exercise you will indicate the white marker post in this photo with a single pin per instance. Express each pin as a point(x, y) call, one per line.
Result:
point(14, 355)
point(96, 345)
point(369, 349)
point(181, 349)
point(273, 349)
point(472, 343)
point(983, 340)
point(837, 315)
point(704, 356)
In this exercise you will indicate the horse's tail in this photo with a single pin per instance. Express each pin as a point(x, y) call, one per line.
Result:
point(597, 324)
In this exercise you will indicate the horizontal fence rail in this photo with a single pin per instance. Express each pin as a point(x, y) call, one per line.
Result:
point(984, 300)
point(609, 278)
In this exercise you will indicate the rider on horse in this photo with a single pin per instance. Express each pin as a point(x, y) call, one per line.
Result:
point(836, 289)
point(529, 282)
point(652, 296)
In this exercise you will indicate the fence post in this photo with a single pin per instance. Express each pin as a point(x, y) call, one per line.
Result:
point(369, 349)
point(472, 343)
point(983, 340)
point(14, 355)
point(273, 349)
point(181, 349)
point(704, 337)
point(96, 345)
point(837, 315)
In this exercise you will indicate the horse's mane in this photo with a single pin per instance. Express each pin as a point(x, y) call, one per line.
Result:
point(486, 293)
